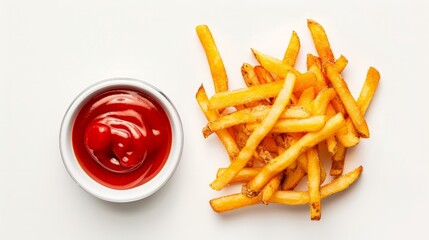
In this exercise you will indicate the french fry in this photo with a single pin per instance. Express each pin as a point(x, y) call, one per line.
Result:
point(349, 102)
point(292, 50)
point(223, 135)
point(313, 60)
point(341, 64)
point(337, 185)
point(245, 95)
point(314, 183)
point(249, 115)
point(245, 174)
point(214, 59)
point(331, 142)
point(278, 68)
point(231, 202)
point(293, 176)
point(269, 189)
point(321, 41)
point(338, 161)
point(307, 96)
point(249, 75)
point(368, 89)
point(291, 154)
point(263, 75)
point(257, 135)
point(349, 137)
point(310, 124)
point(320, 78)
point(322, 100)
point(235, 201)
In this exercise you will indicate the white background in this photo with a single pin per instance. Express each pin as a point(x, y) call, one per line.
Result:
point(51, 50)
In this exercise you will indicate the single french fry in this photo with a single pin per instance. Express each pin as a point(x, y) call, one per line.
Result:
point(249, 115)
point(320, 78)
point(341, 63)
point(307, 96)
point(337, 185)
point(291, 154)
point(257, 135)
point(338, 161)
point(349, 136)
point(249, 75)
point(245, 174)
point(310, 124)
point(331, 142)
point(321, 42)
point(313, 60)
point(368, 89)
point(263, 75)
point(314, 183)
point(293, 176)
point(235, 201)
point(292, 50)
point(269, 189)
point(349, 102)
point(245, 95)
point(322, 100)
point(214, 59)
point(280, 69)
point(211, 115)
point(231, 202)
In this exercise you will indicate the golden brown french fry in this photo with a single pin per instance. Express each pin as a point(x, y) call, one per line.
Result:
point(331, 142)
point(313, 60)
point(349, 137)
point(263, 75)
point(348, 101)
point(234, 201)
point(280, 69)
point(245, 95)
point(337, 185)
point(292, 50)
point(338, 161)
point(291, 154)
point(314, 183)
point(320, 40)
point(249, 115)
point(244, 175)
point(341, 63)
point(249, 75)
point(310, 124)
point(272, 186)
point(322, 100)
point(320, 78)
point(211, 115)
point(214, 59)
point(293, 176)
point(257, 135)
point(368, 89)
point(307, 96)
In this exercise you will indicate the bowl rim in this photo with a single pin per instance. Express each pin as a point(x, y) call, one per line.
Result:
point(81, 177)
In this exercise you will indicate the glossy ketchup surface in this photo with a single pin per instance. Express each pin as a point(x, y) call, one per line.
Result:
point(122, 138)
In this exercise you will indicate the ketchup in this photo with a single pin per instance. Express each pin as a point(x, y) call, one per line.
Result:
point(122, 138)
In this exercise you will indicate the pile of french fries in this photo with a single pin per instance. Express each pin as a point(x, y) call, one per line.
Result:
point(275, 129)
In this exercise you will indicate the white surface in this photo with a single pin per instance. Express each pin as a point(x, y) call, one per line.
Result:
point(51, 50)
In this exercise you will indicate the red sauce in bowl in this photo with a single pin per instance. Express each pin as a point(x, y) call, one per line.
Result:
point(122, 138)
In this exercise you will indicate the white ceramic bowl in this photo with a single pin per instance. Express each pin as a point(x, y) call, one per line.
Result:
point(95, 188)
